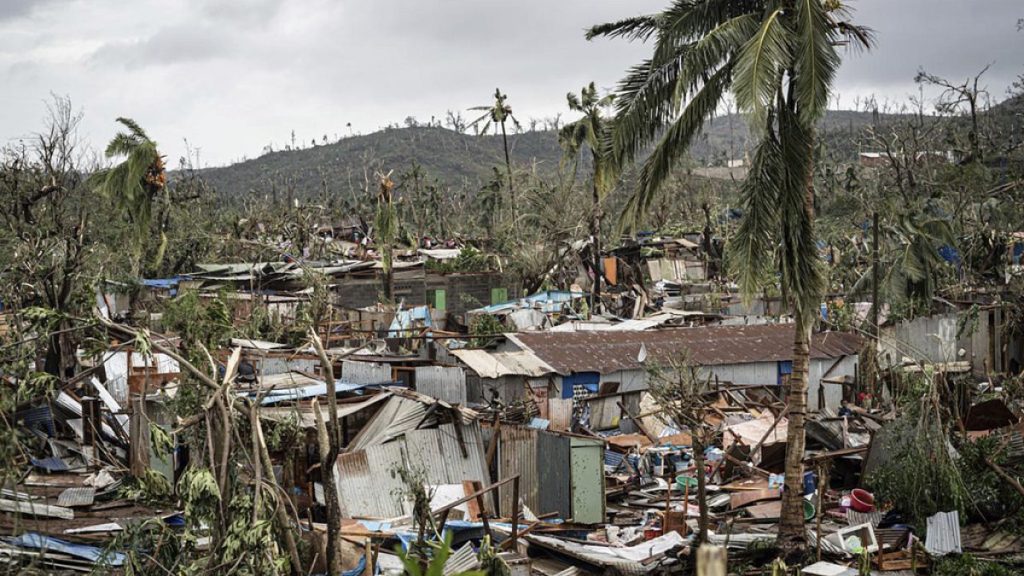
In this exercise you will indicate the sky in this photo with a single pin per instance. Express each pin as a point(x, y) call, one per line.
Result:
point(232, 76)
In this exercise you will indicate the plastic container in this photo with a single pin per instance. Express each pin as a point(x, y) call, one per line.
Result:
point(862, 500)
point(810, 483)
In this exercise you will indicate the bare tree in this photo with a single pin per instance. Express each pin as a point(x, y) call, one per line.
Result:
point(686, 397)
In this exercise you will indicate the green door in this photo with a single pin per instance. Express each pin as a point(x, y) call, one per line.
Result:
point(587, 481)
point(499, 295)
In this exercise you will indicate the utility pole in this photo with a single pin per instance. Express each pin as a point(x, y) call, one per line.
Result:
point(875, 313)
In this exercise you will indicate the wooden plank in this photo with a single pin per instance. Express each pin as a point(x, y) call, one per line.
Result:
point(34, 509)
point(741, 499)
point(766, 511)
point(473, 506)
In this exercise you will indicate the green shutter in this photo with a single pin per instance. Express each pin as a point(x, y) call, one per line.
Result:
point(439, 300)
point(499, 295)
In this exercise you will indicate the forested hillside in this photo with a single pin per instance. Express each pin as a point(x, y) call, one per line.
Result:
point(466, 161)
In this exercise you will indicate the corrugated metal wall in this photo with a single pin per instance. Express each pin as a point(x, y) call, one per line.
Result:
point(366, 483)
point(443, 383)
point(553, 451)
point(365, 372)
point(366, 486)
point(560, 413)
point(517, 454)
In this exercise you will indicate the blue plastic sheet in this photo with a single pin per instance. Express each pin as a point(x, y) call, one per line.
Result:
point(90, 553)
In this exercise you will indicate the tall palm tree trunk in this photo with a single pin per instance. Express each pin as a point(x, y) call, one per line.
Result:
point(791, 530)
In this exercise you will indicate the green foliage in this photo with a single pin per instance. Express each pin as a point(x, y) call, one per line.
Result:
point(483, 328)
point(992, 498)
point(285, 434)
point(150, 488)
point(151, 548)
point(198, 320)
point(133, 185)
point(201, 498)
point(920, 475)
point(435, 566)
point(968, 565)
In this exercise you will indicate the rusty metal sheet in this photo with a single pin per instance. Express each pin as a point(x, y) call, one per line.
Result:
point(560, 413)
point(365, 484)
point(73, 497)
point(517, 454)
point(611, 351)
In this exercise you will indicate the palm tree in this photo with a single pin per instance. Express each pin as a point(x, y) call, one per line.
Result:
point(496, 115)
point(134, 183)
point(591, 132)
point(778, 58)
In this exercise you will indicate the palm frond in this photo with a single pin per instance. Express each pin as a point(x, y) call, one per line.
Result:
point(859, 38)
point(688, 20)
point(757, 236)
point(758, 68)
point(644, 105)
point(816, 61)
point(802, 276)
point(674, 143)
point(637, 28)
point(716, 47)
point(133, 127)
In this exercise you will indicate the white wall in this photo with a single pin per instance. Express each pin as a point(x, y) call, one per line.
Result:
point(765, 373)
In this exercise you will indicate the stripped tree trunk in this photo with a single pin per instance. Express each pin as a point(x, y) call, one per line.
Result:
point(791, 529)
point(702, 504)
point(595, 232)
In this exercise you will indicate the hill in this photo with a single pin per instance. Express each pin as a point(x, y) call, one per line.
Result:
point(465, 161)
point(457, 160)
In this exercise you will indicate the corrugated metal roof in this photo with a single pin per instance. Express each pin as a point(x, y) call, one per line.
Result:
point(73, 497)
point(366, 483)
point(611, 351)
point(306, 418)
point(366, 486)
point(943, 534)
point(497, 364)
point(398, 416)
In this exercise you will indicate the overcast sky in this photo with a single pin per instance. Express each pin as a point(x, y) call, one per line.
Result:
point(234, 75)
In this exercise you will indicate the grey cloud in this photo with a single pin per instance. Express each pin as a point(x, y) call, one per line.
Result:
point(245, 72)
point(11, 9)
point(172, 45)
point(234, 12)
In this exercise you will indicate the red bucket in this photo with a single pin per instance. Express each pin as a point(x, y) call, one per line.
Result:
point(862, 500)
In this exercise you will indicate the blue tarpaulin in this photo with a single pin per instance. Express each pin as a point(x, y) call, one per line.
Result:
point(91, 553)
point(405, 320)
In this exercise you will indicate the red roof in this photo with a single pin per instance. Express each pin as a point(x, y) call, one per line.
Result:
point(610, 351)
